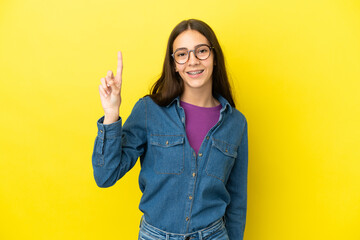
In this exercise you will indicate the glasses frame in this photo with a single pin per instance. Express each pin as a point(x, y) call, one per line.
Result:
point(194, 51)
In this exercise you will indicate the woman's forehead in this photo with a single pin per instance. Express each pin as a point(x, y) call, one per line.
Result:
point(189, 39)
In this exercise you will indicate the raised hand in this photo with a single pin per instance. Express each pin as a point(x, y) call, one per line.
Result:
point(110, 93)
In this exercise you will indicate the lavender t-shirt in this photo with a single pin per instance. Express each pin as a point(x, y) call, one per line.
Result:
point(198, 122)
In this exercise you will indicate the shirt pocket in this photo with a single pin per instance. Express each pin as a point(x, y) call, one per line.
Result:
point(221, 159)
point(168, 152)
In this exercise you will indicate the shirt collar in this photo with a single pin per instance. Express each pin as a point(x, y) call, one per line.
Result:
point(177, 100)
point(224, 103)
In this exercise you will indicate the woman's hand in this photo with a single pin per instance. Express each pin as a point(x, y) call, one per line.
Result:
point(110, 93)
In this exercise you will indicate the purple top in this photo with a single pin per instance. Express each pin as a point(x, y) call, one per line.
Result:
point(198, 122)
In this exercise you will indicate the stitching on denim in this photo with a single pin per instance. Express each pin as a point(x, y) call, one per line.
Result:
point(230, 145)
point(147, 234)
point(100, 161)
point(170, 144)
point(207, 163)
point(157, 229)
point(112, 136)
point(211, 234)
point(242, 133)
point(181, 169)
point(146, 117)
point(192, 203)
point(156, 142)
point(209, 158)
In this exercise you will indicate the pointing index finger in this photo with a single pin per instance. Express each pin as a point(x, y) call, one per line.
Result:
point(120, 65)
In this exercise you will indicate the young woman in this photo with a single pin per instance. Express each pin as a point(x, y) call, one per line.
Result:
point(191, 141)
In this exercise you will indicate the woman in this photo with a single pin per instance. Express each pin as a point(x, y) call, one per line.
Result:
point(191, 141)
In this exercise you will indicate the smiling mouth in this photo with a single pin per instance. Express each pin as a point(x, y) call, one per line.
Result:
point(195, 72)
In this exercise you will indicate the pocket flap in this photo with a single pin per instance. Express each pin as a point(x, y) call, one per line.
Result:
point(166, 140)
point(226, 148)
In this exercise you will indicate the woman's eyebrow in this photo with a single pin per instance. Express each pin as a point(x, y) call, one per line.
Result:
point(184, 48)
point(201, 44)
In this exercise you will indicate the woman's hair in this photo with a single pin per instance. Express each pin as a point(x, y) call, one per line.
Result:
point(170, 85)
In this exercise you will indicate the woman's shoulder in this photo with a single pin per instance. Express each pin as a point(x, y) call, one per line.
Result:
point(146, 98)
point(146, 105)
point(148, 101)
point(152, 103)
point(238, 117)
point(238, 114)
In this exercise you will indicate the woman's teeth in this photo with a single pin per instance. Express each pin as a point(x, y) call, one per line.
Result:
point(194, 73)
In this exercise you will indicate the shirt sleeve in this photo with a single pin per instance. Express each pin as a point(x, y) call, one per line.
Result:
point(235, 215)
point(117, 148)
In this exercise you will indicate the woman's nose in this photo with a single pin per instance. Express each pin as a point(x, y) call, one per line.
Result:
point(192, 58)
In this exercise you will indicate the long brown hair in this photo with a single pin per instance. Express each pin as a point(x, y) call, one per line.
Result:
point(170, 85)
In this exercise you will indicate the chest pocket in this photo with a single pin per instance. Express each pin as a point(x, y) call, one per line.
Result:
point(221, 159)
point(168, 152)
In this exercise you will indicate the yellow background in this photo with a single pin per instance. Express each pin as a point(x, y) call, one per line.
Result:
point(295, 68)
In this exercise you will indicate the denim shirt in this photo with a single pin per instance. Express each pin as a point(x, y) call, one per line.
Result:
point(182, 191)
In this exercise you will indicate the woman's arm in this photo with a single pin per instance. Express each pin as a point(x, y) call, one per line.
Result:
point(235, 215)
point(117, 148)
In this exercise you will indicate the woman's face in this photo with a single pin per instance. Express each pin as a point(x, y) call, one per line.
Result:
point(196, 74)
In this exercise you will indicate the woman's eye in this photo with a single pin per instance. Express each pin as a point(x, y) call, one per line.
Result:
point(203, 50)
point(181, 54)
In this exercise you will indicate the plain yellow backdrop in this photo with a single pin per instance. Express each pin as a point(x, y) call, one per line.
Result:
point(295, 71)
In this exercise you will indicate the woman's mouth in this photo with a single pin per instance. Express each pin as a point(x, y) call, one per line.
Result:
point(195, 73)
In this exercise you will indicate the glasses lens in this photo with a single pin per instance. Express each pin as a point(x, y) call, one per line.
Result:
point(202, 52)
point(181, 56)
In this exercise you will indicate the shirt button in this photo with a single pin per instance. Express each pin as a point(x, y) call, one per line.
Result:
point(190, 197)
point(101, 131)
point(194, 174)
point(207, 137)
point(187, 219)
point(200, 154)
point(167, 142)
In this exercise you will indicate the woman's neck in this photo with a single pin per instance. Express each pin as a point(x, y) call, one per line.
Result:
point(199, 98)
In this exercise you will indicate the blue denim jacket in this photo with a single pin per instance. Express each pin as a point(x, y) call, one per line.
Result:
point(182, 191)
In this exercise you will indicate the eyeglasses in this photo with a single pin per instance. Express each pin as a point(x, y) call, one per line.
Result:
point(201, 52)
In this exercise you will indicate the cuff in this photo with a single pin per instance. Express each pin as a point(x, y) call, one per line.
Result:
point(109, 130)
